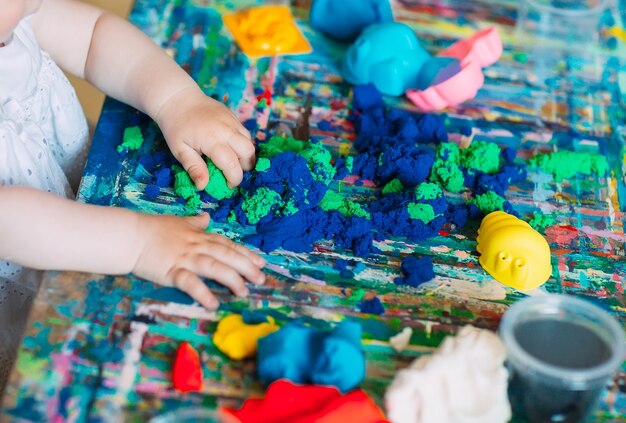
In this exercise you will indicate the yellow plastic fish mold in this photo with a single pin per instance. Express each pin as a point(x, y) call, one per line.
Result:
point(513, 252)
point(237, 339)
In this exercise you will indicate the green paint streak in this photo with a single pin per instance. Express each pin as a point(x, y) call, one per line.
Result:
point(481, 155)
point(421, 211)
point(392, 186)
point(334, 201)
point(565, 164)
point(260, 204)
point(520, 57)
point(133, 139)
point(172, 330)
point(29, 364)
point(540, 221)
point(217, 187)
point(428, 191)
point(488, 202)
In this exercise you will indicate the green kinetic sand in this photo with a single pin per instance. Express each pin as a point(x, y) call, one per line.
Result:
point(184, 186)
point(334, 201)
point(262, 164)
point(260, 204)
point(445, 171)
point(428, 191)
point(217, 186)
point(421, 211)
point(133, 139)
point(317, 157)
point(565, 164)
point(393, 186)
point(481, 155)
point(489, 202)
point(540, 222)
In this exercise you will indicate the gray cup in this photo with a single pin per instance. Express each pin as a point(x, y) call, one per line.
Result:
point(561, 352)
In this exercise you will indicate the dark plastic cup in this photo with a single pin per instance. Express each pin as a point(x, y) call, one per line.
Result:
point(561, 352)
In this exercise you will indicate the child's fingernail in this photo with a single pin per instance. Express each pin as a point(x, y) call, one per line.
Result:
point(259, 261)
point(214, 304)
point(260, 280)
point(244, 292)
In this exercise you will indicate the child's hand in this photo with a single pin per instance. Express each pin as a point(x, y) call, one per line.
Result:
point(175, 250)
point(194, 124)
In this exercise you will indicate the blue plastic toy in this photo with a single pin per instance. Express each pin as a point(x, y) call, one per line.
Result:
point(344, 20)
point(390, 56)
point(305, 355)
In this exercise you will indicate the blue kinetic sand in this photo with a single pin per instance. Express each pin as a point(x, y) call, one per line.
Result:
point(344, 20)
point(305, 355)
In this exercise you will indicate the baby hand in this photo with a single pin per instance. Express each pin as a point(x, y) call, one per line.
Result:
point(175, 251)
point(194, 124)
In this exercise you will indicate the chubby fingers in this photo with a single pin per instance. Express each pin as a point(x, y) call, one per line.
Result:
point(254, 257)
point(243, 146)
point(223, 261)
point(188, 282)
point(227, 161)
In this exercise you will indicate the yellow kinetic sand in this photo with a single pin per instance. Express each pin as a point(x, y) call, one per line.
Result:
point(237, 339)
point(513, 252)
point(267, 31)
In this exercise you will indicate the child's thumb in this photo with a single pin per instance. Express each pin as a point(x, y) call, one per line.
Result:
point(200, 221)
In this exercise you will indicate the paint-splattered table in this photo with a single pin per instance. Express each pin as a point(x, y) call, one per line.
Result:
point(99, 348)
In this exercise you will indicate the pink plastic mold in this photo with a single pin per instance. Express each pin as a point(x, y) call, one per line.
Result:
point(482, 49)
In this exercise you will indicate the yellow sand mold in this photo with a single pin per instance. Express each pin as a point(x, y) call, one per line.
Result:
point(513, 252)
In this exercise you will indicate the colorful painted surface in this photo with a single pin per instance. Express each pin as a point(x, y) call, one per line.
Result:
point(98, 348)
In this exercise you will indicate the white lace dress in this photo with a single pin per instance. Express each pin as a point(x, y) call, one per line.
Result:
point(43, 143)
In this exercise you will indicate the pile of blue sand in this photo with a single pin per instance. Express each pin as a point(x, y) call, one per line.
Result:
point(372, 306)
point(305, 355)
point(287, 196)
point(416, 271)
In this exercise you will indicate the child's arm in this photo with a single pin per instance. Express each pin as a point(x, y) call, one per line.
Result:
point(43, 231)
point(124, 63)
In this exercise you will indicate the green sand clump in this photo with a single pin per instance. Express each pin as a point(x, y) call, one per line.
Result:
point(565, 164)
point(262, 164)
point(421, 211)
point(279, 144)
point(318, 160)
point(393, 186)
point(334, 201)
point(445, 170)
point(217, 187)
point(260, 204)
point(132, 140)
point(184, 186)
point(317, 157)
point(540, 222)
point(482, 156)
point(488, 202)
point(428, 191)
